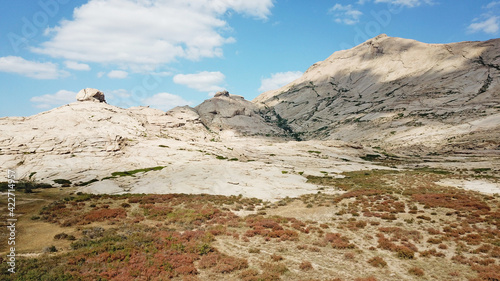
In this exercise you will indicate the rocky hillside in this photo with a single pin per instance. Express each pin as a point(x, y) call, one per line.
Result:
point(392, 94)
point(105, 149)
point(399, 94)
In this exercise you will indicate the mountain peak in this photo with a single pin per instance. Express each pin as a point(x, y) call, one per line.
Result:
point(398, 91)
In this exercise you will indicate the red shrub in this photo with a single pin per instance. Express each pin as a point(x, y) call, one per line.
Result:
point(416, 271)
point(338, 241)
point(104, 214)
point(377, 262)
point(305, 265)
point(461, 202)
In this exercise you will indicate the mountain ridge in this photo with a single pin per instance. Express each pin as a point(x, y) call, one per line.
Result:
point(393, 79)
point(356, 103)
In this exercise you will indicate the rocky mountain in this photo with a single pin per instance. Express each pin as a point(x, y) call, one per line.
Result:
point(399, 94)
point(386, 96)
point(106, 149)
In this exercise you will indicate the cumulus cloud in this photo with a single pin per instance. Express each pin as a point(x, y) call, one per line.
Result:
point(77, 66)
point(62, 97)
point(407, 3)
point(345, 14)
point(492, 4)
point(117, 74)
point(278, 80)
point(490, 25)
point(489, 21)
point(165, 101)
point(117, 94)
point(203, 81)
point(32, 69)
point(144, 34)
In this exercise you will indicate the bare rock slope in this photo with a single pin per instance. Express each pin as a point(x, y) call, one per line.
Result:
point(392, 93)
point(400, 94)
point(106, 149)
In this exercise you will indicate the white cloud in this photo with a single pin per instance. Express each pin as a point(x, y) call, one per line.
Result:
point(278, 80)
point(492, 4)
point(490, 25)
point(117, 94)
point(77, 66)
point(142, 34)
point(203, 81)
point(117, 74)
point(161, 73)
point(32, 69)
point(407, 3)
point(62, 97)
point(165, 101)
point(345, 14)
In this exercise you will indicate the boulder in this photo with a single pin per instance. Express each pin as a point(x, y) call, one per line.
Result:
point(221, 94)
point(90, 94)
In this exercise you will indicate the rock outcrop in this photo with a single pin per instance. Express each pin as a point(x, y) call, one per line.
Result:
point(231, 112)
point(387, 93)
point(90, 94)
point(400, 94)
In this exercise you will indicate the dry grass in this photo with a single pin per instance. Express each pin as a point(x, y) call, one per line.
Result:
point(385, 221)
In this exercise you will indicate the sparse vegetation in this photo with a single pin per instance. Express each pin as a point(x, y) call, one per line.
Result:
point(198, 236)
point(133, 172)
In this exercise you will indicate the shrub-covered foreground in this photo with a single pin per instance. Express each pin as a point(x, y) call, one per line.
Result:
point(385, 225)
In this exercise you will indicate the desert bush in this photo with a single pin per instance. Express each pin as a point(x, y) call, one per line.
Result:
point(104, 214)
point(404, 252)
point(377, 262)
point(349, 256)
point(254, 251)
point(223, 264)
point(434, 240)
point(338, 241)
point(274, 268)
point(305, 265)
point(249, 275)
point(416, 271)
point(63, 235)
point(458, 201)
point(489, 273)
point(50, 249)
point(94, 232)
point(275, 257)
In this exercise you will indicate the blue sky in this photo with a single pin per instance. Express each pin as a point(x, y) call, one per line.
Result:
point(166, 53)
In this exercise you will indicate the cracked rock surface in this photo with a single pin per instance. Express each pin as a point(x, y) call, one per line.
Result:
point(399, 94)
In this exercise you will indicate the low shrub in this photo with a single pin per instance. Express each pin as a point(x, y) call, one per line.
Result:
point(305, 265)
point(416, 271)
point(377, 262)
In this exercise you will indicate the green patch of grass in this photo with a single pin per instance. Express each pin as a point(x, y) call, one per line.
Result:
point(220, 157)
point(313, 151)
point(133, 172)
point(164, 146)
point(233, 159)
point(84, 183)
point(481, 170)
point(434, 171)
point(62, 181)
point(371, 157)
point(25, 185)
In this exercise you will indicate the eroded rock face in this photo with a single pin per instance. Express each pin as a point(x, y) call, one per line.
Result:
point(231, 112)
point(90, 94)
point(395, 92)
